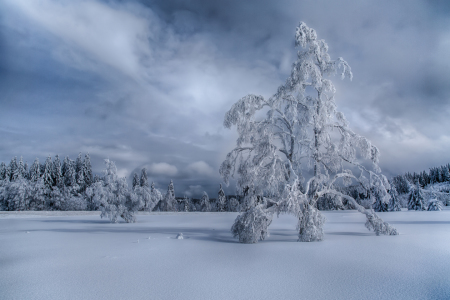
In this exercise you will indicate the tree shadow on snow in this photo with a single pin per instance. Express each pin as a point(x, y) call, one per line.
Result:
point(421, 222)
point(351, 233)
point(221, 236)
point(104, 221)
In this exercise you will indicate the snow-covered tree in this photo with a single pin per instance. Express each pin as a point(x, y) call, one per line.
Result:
point(416, 199)
point(221, 200)
point(47, 174)
point(35, 171)
point(19, 172)
point(2, 171)
point(205, 203)
point(394, 203)
point(169, 201)
point(186, 203)
point(434, 205)
point(144, 178)
point(57, 173)
point(135, 181)
point(87, 171)
point(13, 169)
point(16, 194)
point(156, 197)
point(113, 197)
point(380, 195)
point(79, 173)
point(298, 136)
point(38, 197)
point(144, 193)
point(69, 173)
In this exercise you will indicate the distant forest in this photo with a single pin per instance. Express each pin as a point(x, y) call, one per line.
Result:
point(69, 185)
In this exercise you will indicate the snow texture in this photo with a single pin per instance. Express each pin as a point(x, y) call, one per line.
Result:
point(77, 255)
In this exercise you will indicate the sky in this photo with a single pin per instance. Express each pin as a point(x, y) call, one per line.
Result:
point(147, 83)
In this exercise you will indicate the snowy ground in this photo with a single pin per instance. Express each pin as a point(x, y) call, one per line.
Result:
point(80, 256)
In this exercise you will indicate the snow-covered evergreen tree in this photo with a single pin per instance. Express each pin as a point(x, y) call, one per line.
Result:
point(38, 197)
point(19, 172)
point(113, 197)
point(2, 171)
point(87, 171)
point(394, 203)
point(57, 199)
point(221, 200)
point(186, 202)
point(434, 205)
point(13, 169)
point(299, 133)
point(206, 204)
point(26, 171)
point(144, 193)
point(416, 199)
point(69, 174)
point(79, 173)
point(47, 174)
point(169, 201)
point(233, 205)
point(57, 173)
point(144, 178)
point(135, 182)
point(381, 198)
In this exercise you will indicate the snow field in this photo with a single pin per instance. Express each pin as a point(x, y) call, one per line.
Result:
point(76, 256)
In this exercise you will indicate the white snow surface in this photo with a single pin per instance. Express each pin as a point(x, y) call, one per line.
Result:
point(64, 255)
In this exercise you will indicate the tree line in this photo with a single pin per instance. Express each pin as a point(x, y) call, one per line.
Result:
point(71, 185)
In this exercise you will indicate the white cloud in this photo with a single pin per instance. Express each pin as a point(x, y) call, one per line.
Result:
point(194, 191)
point(94, 32)
point(163, 169)
point(200, 168)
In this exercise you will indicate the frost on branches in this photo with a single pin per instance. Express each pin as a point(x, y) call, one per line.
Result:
point(113, 197)
point(302, 135)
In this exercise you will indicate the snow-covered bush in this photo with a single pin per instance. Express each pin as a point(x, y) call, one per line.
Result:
point(434, 205)
point(252, 225)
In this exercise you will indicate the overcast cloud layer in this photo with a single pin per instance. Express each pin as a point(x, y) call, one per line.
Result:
point(147, 83)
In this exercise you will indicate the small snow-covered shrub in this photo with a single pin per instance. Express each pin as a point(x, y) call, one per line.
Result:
point(252, 225)
point(434, 205)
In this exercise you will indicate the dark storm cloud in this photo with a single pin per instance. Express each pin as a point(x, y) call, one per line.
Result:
point(147, 83)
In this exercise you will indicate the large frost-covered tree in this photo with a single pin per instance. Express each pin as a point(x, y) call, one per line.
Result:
point(301, 134)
